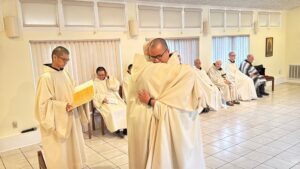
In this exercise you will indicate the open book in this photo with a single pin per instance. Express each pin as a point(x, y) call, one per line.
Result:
point(83, 93)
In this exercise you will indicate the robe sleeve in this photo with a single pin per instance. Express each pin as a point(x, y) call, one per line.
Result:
point(217, 80)
point(47, 108)
point(99, 96)
point(113, 84)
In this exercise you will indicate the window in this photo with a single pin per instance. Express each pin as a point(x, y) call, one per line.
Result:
point(187, 48)
point(111, 15)
point(263, 19)
point(172, 17)
point(274, 19)
point(37, 13)
point(246, 19)
point(83, 18)
point(232, 18)
point(224, 44)
point(192, 18)
point(149, 16)
point(85, 57)
point(217, 18)
point(266, 19)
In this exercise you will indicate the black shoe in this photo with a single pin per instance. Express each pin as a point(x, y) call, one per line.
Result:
point(236, 102)
point(229, 103)
point(119, 134)
point(259, 96)
point(205, 110)
point(125, 132)
point(262, 90)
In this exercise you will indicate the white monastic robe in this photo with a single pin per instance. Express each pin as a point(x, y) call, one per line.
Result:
point(61, 131)
point(126, 81)
point(113, 112)
point(168, 135)
point(212, 93)
point(249, 70)
point(218, 76)
point(245, 86)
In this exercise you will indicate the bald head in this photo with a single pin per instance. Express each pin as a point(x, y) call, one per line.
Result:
point(158, 50)
point(231, 56)
point(218, 64)
point(197, 63)
point(250, 58)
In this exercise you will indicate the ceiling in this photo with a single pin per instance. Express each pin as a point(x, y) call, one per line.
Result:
point(257, 4)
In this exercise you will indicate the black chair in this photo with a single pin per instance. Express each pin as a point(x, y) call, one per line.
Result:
point(261, 70)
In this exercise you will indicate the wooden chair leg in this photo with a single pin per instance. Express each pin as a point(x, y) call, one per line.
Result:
point(102, 125)
point(93, 121)
point(89, 130)
point(41, 160)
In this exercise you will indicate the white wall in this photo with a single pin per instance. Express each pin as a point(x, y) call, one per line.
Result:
point(293, 36)
point(17, 90)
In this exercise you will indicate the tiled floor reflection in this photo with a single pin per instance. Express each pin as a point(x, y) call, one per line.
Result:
point(259, 134)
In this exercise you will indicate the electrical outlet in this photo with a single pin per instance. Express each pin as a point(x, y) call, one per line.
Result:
point(15, 124)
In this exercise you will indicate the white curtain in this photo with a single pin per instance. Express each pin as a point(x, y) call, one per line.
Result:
point(85, 57)
point(187, 48)
point(225, 44)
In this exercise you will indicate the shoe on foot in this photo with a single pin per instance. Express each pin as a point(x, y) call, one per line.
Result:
point(229, 103)
point(125, 132)
point(236, 102)
point(119, 134)
point(205, 110)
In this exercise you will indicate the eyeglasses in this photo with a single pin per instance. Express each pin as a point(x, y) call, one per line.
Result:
point(64, 59)
point(157, 56)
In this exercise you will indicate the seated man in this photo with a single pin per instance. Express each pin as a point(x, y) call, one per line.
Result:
point(228, 89)
point(212, 93)
point(109, 103)
point(126, 81)
point(244, 84)
point(259, 80)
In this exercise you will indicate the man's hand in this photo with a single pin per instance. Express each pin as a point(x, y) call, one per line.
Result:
point(69, 108)
point(227, 82)
point(144, 96)
point(104, 100)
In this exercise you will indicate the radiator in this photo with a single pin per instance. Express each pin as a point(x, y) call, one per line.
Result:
point(294, 71)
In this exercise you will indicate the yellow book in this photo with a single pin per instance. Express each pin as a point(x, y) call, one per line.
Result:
point(83, 93)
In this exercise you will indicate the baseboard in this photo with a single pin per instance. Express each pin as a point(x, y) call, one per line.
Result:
point(20, 140)
point(293, 81)
point(277, 80)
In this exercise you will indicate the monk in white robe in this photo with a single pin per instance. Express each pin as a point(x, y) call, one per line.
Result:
point(227, 88)
point(109, 103)
point(163, 106)
point(245, 86)
point(259, 80)
point(60, 126)
point(212, 93)
point(126, 81)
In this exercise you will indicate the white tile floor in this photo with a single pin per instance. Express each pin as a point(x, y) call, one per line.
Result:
point(259, 134)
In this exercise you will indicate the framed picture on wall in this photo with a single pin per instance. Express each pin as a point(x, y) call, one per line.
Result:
point(269, 46)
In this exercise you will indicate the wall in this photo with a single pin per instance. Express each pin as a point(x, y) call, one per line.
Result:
point(293, 36)
point(17, 89)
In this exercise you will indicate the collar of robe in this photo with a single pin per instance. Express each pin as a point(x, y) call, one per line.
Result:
point(248, 62)
point(231, 61)
point(50, 65)
point(219, 68)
